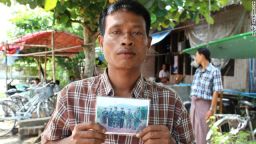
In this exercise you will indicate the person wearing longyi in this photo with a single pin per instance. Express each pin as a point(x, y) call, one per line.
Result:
point(124, 38)
point(205, 89)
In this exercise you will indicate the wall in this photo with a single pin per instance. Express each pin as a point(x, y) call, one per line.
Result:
point(240, 79)
point(148, 67)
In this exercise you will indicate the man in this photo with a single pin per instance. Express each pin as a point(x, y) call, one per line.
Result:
point(164, 74)
point(35, 82)
point(124, 37)
point(104, 116)
point(56, 87)
point(129, 119)
point(110, 118)
point(137, 118)
point(71, 79)
point(116, 118)
point(205, 89)
point(122, 116)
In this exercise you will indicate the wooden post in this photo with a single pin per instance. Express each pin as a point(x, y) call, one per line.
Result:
point(6, 66)
point(45, 64)
point(53, 58)
point(38, 66)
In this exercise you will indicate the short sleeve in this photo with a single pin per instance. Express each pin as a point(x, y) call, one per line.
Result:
point(58, 127)
point(161, 74)
point(182, 128)
point(217, 82)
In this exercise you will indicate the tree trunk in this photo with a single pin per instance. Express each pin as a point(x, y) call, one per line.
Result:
point(89, 51)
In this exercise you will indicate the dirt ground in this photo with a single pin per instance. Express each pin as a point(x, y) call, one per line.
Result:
point(10, 139)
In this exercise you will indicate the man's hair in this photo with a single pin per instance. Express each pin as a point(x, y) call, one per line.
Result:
point(129, 5)
point(57, 82)
point(205, 52)
point(37, 79)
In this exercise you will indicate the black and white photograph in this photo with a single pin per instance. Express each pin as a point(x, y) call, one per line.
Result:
point(123, 116)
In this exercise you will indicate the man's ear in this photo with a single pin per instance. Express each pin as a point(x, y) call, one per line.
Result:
point(100, 40)
point(149, 41)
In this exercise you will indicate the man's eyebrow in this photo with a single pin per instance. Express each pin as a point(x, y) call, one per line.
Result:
point(120, 25)
point(115, 26)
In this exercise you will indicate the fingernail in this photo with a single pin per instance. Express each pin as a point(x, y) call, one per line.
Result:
point(137, 135)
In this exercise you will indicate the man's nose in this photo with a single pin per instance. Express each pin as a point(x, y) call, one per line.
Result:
point(127, 40)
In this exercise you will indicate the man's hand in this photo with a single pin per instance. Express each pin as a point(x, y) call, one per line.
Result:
point(208, 114)
point(90, 133)
point(155, 134)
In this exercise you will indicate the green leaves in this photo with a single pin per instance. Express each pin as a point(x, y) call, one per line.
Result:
point(50, 4)
point(7, 2)
point(149, 3)
point(247, 4)
point(219, 137)
point(223, 3)
point(86, 12)
point(153, 18)
point(209, 19)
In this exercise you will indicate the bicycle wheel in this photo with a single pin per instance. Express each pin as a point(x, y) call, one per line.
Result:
point(12, 104)
point(7, 119)
point(230, 123)
point(19, 100)
point(45, 108)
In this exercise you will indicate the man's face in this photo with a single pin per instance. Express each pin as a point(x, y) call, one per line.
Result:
point(164, 67)
point(125, 41)
point(199, 58)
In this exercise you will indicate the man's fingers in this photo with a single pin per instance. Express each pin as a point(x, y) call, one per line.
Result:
point(89, 141)
point(208, 115)
point(91, 134)
point(155, 135)
point(156, 141)
point(151, 129)
point(90, 126)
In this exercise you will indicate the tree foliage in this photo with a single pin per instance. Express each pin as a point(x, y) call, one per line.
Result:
point(27, 21)
point(164, 13)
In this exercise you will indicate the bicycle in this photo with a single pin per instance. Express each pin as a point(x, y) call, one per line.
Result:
point(234, 123)
point(41, 103)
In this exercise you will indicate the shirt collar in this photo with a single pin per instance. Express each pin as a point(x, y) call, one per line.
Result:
point(208, 68)
point(106, 83)
point(137, 91)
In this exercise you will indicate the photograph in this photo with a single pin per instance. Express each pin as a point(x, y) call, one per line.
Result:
point(122, 116)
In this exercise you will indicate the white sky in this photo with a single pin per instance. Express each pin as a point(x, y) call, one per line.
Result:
point(107, 101)
point(5, 15)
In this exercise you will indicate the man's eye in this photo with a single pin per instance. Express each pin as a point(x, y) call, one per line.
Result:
point(116, 32)
point(137, 33)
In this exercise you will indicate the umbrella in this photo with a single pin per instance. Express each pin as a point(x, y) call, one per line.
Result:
point(241, 46)
point(65, 44)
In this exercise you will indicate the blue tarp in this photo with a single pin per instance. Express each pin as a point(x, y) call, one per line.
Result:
point(226, 91)
point(10, 59)
point(239, 93)
point(159, 36)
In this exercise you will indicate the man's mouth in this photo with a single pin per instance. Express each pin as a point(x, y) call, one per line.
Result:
point(126, 52)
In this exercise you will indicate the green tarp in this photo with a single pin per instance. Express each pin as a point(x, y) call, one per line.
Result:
point(239, 46)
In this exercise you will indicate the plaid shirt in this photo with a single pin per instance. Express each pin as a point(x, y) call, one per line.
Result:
point(206, 82)
point(76, 104)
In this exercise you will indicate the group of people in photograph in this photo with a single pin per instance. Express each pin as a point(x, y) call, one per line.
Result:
point(121, 118)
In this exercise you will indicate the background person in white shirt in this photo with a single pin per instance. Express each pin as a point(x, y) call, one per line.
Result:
point(164, 74)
